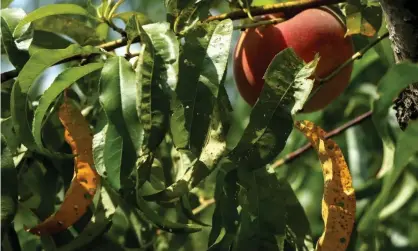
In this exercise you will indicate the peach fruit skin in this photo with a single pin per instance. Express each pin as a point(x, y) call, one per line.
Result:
point(309, 32)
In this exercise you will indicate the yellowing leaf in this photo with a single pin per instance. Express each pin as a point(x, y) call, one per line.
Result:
point(85, 181)
point(338, 202)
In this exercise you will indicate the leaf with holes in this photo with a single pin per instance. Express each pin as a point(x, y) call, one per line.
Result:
point(271, 118)
point(202, 65)
point(85, 181)
point(339, 201)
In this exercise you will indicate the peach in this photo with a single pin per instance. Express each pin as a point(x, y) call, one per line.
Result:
point(309, 32)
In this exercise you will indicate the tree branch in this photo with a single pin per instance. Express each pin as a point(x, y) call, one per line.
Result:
point(293, 155)
point(402, 22)
point(292, 6)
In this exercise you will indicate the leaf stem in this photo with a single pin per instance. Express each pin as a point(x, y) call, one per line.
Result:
point(203, 205)
point(293, 155)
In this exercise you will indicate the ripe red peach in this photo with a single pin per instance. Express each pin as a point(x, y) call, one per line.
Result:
point(309, 32)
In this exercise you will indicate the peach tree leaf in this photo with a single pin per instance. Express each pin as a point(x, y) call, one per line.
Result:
point(339, 201)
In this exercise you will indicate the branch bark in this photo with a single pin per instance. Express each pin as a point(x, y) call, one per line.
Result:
point(402, 22)
point(293, 155)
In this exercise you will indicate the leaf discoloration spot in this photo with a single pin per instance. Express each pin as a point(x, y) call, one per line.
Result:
point(81, 192)
point(339, 202)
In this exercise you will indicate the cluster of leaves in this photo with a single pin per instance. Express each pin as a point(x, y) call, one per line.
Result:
point(161, 119)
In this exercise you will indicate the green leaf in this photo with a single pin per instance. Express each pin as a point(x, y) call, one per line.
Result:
point(61, 82)
point(270, 119)
point(406, 191)
point(71, 27)
point(212, 153)
point(8, 186)
point(107, 154)
point(186, 208)
point(144, 166)
point(226, 216)
point(39, 62)
point(202, 65)
point(190, 15)
point(12, 16)
point(17, 58)
point(362, 19)
point(157, 69)
point(125, 16)
point(162, 223)
point(9, 134)
point(105, 208)
point(118, 99)
point(50, 10)
point(5, 3)
point(403, 74)
point(47, 40)
point(267, 219)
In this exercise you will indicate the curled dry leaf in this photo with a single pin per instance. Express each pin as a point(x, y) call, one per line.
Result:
point(85, 181)
point(338, 202)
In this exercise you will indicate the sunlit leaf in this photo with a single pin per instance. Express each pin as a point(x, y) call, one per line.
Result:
point(339, 201)
point(17, 58)
point(12, 16)
point(118, 99)
point(86, 180)
point(362, 19)
point(50, 10)
point(107, 153)
point(71, 27)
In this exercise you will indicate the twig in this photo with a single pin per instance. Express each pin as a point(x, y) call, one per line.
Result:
point(113, 26)
point(203, 205)
point(291, 6)
point(355, 56)
point(260, 23)
point(291, 156)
